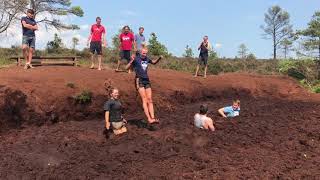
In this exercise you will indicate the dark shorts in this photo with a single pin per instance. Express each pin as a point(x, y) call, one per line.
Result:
point(203, 59)
point(96, 47)
point(142, 83)
point(125, 54)
point(29, 41)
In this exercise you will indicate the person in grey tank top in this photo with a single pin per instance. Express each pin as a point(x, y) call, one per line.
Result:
point(202, 121)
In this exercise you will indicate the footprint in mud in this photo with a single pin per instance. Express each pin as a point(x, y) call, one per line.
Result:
point(140, 123)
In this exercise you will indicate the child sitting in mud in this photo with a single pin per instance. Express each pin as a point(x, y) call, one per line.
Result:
point(231, 111)
point(202, 121)
point(113, 114)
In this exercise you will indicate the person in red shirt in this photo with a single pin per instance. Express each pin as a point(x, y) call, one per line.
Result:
point(97, 40)
point(126, 43)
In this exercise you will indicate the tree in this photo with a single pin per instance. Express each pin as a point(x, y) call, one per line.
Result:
point(155, 47)
point(243, 51)
point(51, 10)
point(116, 41)
point(9, 10)
point(286, 45)
point(251, 56)
point(212, 54)
point(188, 52)
point(312, 33)
point(277, 26)
point(75, 42)
point(55, 45)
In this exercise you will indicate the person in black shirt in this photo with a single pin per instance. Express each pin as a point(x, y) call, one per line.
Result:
point(29, 26)
point(203, 57)
point(113, 114)
point(140, 64)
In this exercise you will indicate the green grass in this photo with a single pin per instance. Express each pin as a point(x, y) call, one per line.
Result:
point(84, 98)
point(5, 62)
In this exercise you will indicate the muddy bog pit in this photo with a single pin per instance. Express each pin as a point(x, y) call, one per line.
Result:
point(46, 134)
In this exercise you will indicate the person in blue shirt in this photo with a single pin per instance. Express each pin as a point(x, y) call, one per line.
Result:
point(140, 64)
point(29, 26)
point(231, 111)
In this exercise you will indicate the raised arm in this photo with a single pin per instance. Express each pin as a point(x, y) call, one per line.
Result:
point(199, 47)
point(221, 112)
point(155, 61)
point(130, 63)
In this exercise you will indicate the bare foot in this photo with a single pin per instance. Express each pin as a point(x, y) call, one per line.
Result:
point(92, 66)
point(31, 66)
point(195, 75)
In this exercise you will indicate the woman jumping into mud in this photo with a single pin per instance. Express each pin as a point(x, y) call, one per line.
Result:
point(202, 121)
point(113, 114)
point(140, 64)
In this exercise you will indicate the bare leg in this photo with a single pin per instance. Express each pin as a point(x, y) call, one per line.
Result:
point(120, 131)
point(205, 71)
point(92, 61)
point(30, 57)
point(143, 96)
point(197, 70)
point(99, 61)
point(25, 54)
point(150, 103)
point(119, 63)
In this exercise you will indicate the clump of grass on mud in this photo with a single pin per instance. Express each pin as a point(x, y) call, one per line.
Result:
point(71, 85)
point(84, 98)
point(316, 89)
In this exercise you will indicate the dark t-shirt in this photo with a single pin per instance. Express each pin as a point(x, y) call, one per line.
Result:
point(204, 49)
point(28, 32)
point(141, 67)
point(115, 109)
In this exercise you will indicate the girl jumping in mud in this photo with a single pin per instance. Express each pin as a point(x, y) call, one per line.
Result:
point(202, 121)
point(140, 64)
point(113, 114)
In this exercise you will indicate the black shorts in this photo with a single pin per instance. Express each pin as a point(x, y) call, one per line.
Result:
point(125, 54)
point(142, 83)
point(203, 59)
point(96, 47)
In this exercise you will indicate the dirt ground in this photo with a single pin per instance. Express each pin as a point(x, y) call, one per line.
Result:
point(45, 134)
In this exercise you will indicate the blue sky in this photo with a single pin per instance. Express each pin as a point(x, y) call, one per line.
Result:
point(178, 23)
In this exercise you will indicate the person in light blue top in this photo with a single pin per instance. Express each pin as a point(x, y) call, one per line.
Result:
point(231, 111)
point(140, 40)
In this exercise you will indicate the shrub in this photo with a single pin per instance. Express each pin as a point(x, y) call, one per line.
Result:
point(71, 85)
point(316, 89)
point(84, 98)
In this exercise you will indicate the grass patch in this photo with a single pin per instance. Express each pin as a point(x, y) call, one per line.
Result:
point(71, 85)
point(4, 62)
point(84, 98)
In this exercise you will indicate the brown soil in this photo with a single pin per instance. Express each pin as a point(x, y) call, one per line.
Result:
point(45, 134)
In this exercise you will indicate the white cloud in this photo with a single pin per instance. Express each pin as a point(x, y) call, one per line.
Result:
point(129, 13)
point(84, 27)
point(218, 45)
